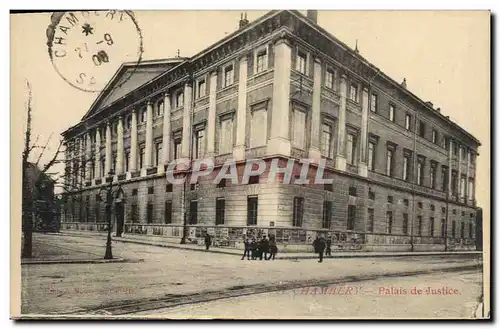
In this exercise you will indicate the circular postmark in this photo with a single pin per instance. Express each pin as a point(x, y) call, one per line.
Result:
point(87, 47)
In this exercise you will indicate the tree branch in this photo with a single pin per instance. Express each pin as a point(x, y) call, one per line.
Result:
point(54, 159)
point(43, 149)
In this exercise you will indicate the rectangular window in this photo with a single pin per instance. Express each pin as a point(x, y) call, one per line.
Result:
point(329, 79)
point(390, 199)
point(353, 93)
point(406, 202)
point(168, 212)
point(222, 183)
point(420, 176)
point(326, 140)
point(353, 191)
point(421, 129)
point(453, 229)
point(150, 213)
point(258, 128)
point(389, 159)
point(407, 121)
point(433, 177)
point(158, 153)
point(301, 62)
point(327, 214)
point(328, 187)
point(389, 222)
point(220, 211)
point(462, 187)
point(444, 178)
point(134, 213)
point(127, 161)
point(298, 211)
point(160, 108)
point(434, 136)
point(151, 190)
point(392, 111)
point(443, 227)
point(144, 114)
point(252, 208)
point(113, 162)
point(201, 89)
point(470, 231)
point(371, 195)
point(371, 219)
point(454, 182)
point(193, 212)
point(419, 225)
point(169, 188)
point(405, 224)
point(97, 209)
point(134, 191)
point(371, 156)
point(226, 136)
point(261, 64)
point(351, 149)
point(298, 129)
point(351, 216)
point(470, 193)
point(199, 143)
point(228, 75)
point(253, 180)
point(179, 100)
point(177, 148)
point(462, 230)
point(406, 167)
point(142, 152)
point(431, 226)
point(374, 103)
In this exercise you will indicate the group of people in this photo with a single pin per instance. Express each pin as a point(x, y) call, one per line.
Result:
point(262, 249)
point(267, 248)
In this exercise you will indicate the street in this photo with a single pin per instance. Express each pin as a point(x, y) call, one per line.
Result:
point(150, 279)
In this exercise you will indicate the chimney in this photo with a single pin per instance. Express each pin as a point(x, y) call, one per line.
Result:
point(313, 16)
point(243, 21)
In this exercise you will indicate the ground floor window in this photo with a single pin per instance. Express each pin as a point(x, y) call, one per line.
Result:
point(351, 215)
point(252, 208)
point(168, 212)
point(371, 216)
point(298, 211)
point(327, 214)
point(405, 224)
point(150, 213)
point(193, 212)
point(220, 209)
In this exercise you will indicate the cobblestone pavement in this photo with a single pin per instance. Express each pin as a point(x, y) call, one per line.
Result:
point(156, 273)
point(383, 298)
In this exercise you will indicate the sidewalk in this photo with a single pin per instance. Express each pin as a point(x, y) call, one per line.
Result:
point(288, 255)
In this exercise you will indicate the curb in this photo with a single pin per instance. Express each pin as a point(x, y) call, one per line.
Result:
point(82, 261)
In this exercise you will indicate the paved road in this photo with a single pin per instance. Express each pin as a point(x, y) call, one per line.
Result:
point(383, 298)
point(179, 276)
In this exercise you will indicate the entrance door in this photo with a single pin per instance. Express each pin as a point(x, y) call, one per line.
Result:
point(120, 219)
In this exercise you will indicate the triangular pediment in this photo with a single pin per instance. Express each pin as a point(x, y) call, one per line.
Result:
point(129, 77)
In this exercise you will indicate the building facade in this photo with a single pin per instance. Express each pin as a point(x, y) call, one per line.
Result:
point(280, 87)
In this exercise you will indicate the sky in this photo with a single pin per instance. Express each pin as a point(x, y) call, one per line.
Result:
point(444, 56)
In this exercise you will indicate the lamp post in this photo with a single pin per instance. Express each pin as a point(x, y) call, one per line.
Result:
point(109, 204)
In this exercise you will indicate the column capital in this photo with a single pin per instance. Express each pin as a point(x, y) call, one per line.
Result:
point(244, 55)
point(317, 59)
point(283, 37)
point(213, 72)
point(166, 94)
point(149, 102)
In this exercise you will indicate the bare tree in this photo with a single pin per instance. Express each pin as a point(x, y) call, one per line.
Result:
point(31, 177)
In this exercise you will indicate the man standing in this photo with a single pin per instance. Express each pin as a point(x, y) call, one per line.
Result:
point(263, 247)
point(247, 249)
point(328, 251)
point(208, 241)
point(319, 247)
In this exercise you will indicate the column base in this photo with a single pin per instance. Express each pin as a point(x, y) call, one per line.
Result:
point(340, 162)
point(239, 152)
point(279, 146)
point(314, 154)
point(363, 169)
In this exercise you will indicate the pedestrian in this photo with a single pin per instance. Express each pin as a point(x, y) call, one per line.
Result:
point(319, 247)
point(263, 247)
point(328, 251)
point(273, 248)
point(247, 249)
point(208, 241)
point(253, 248)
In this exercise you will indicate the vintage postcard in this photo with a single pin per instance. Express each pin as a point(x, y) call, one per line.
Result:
point(277, 164)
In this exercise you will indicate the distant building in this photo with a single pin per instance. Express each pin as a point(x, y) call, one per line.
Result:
point(279, 87)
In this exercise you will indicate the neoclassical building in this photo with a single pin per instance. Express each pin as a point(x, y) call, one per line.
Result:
point(280, 87)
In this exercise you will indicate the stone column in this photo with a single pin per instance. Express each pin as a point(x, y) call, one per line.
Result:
point(314, 149)
point(279, 140)
point(363, 163)
point(97, 151)
point(186, 121)
point(467, 173)
point(88, 157)
point(212, 99)
point(119, 147)
point(149, 136)
point(133, 142)
point(107, 164)
point(241, 114)
point(340, 159)
point(167, 130)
